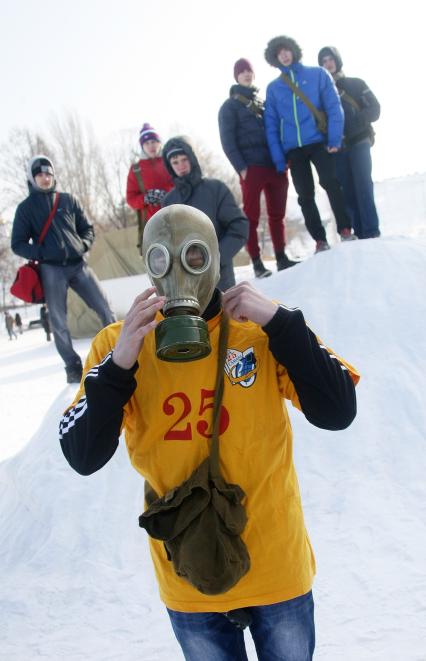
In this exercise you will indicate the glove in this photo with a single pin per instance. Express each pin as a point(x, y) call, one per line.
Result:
point(154, 196)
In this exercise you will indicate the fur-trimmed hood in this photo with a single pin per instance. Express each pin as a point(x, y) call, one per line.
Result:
point(276, 44)
point(334, 53)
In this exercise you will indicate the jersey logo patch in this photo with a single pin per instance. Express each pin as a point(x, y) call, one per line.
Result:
point(241, 367)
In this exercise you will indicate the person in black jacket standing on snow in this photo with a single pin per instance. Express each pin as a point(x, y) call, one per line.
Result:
point(211, 196)
point(353, 162)
point(61, 255)
point(243, 138)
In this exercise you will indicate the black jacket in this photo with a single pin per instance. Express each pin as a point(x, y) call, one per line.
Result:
point(358, 115)
point(215, 199)
point(69, 236)
point(357, 120)
point(242, 132)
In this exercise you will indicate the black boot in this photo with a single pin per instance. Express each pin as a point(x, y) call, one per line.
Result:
point(74, 372)
point(259, 268)
point(283, 262)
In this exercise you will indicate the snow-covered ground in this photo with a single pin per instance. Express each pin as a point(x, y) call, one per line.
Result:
point(76, 578)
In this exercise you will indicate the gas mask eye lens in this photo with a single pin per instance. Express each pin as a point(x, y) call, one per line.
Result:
point(196, 257)
point(158, 260)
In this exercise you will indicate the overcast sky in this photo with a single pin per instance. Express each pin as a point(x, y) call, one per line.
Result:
point(120, 63)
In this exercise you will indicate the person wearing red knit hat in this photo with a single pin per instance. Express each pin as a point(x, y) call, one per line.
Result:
point(243, 138)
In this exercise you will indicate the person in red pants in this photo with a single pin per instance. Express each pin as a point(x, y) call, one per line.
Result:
point(244, 142)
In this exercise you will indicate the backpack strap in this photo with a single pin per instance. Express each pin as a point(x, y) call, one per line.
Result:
point(141, 213)
point(49, 220)
point(319, 115)
point(350, 99)
point(138, 174)
point(250, 104)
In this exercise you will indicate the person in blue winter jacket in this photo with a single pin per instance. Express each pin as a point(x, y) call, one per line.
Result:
point(296, 141)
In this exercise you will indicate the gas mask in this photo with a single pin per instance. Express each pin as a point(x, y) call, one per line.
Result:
point(181, 255)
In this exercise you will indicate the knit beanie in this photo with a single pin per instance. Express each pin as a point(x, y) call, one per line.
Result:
point(41, 164)
point(242, 65)
point(148, 133)
point(36, 165)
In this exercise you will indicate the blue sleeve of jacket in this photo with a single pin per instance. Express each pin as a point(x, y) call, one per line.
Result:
point(21, 235)
point(233, 223)
point(272, 130)
point(228, 121)
point(331, 103)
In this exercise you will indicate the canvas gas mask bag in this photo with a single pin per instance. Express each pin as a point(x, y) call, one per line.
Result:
point(181, 255)
point(201, 520)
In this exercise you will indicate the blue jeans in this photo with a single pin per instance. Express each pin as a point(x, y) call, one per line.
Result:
point(354, 173)
point(56, 281)
point(281, 632)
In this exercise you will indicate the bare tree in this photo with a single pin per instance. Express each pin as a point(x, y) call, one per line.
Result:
point(8, 261)
point(15, 154)
point(96, 175)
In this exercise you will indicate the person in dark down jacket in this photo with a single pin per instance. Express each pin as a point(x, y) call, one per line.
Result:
point(295, 139)
point(61, 255)
point(243, 138)
point(212, 197)
point(353, 162)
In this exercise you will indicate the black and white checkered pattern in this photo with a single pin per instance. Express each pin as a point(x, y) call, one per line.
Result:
point(73, 414)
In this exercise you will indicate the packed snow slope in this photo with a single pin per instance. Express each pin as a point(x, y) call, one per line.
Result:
point(76, 578)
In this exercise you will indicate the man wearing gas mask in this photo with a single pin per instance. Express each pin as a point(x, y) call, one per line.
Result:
point(154, 374)
point(212, 197)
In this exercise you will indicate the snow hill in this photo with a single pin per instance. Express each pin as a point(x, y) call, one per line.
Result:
point(76, 578)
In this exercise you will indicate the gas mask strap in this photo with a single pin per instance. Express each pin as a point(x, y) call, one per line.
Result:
point(219, 387)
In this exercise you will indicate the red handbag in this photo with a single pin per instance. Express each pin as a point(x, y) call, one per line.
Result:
point(28, 285)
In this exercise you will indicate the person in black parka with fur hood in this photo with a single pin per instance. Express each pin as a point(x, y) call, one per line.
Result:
point(212, 197)
point(243, 138)
point(353, 163)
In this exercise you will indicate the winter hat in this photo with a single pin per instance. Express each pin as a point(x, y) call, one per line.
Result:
point(41, 164)
point(148, 133)
point(242, 65)
point(174, 151)
point(36, 165)
point(332, 52)
point(278, 43)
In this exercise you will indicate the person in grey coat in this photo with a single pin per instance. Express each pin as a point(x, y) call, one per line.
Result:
point(212, 197)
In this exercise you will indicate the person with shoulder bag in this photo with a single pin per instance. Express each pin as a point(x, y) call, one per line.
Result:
point(148, 180)
point(50, 228)
point(243, 138)
point(197, 380)
point(353, 161)
point(304, 126)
